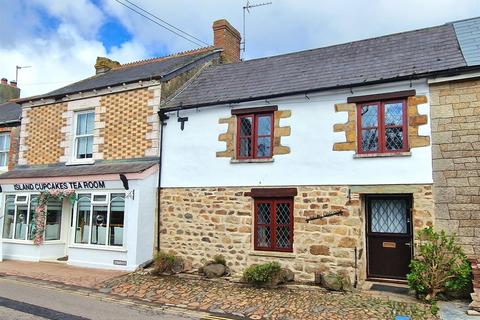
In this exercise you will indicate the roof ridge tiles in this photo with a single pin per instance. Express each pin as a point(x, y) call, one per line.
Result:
point(157, 59)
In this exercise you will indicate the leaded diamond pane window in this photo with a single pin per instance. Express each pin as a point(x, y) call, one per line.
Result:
point(394, 138)
point(263, 213)
point(389, 215)
point(382, 127)
point(255, 136)
point(273, 224)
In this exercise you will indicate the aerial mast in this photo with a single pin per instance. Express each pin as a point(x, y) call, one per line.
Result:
point(246, 8)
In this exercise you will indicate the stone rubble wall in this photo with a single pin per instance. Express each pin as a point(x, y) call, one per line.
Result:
point(455, 113)
point(199, 223)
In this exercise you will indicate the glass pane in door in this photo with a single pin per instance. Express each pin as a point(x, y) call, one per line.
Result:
point(389, 215)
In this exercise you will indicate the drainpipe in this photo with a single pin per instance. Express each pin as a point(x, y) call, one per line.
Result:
point(163, 118)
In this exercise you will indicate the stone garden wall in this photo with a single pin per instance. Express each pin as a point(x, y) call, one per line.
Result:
point(455, 113)
point(198, 223)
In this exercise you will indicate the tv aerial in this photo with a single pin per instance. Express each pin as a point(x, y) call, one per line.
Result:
point(246, 8)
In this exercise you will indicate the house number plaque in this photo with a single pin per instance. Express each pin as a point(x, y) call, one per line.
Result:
point(391, 245)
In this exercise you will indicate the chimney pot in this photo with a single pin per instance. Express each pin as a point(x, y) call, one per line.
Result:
point(4, 81)
point(13, 84)
point(227, 38)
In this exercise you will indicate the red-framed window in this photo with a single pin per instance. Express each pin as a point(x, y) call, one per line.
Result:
point(255, 135)
point(382, 127)
point(273, 224)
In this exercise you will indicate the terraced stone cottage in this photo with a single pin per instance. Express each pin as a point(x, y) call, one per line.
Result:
point(319, 159)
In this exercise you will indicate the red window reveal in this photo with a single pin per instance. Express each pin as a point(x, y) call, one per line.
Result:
point(382, 127)
point(274, 224)
point(255, 136)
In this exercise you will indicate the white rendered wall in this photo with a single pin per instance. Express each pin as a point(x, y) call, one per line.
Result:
point(190, 155)
point(30, 252)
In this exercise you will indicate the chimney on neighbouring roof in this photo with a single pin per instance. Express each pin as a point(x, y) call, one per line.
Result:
point(8, 91)
point(226, 37)
point(103, 65)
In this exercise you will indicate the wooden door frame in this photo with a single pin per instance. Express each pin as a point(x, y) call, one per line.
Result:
point(367, 198)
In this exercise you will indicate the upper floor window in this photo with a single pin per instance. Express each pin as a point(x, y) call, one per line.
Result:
point(273, 224)
point(4, 148)
point(83, 142)
point(382, 127)
point(255, 135)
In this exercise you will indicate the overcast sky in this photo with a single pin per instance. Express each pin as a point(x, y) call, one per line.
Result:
point(61, 39)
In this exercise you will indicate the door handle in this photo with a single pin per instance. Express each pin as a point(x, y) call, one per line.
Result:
point(408, 244)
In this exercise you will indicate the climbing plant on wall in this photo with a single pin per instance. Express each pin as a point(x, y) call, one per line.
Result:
point(41, 210)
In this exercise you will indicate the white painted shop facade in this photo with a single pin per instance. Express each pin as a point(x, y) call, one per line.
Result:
point(106, 227)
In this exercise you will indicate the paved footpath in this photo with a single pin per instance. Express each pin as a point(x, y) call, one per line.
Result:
point(58, 272)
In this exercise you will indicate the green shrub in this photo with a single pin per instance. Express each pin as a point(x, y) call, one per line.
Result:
point(167, 263)
point(440, 265)
point(261, 273)
point(219, 259)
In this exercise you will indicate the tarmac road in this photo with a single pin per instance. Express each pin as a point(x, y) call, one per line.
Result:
point(21, 300)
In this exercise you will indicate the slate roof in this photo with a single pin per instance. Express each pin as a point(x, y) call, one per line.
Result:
point(10, 112)
point(133, 72)
point(80, 170)
point(397, 56)
point(468, 34)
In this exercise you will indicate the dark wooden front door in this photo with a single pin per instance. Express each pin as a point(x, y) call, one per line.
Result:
point(389, 236)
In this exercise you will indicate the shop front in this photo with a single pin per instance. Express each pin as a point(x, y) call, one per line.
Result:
point(94, 220)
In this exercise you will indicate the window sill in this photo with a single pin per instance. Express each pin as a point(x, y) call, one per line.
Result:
point(79, 162)
point(99, 247)
point(273, 254)
point(382, 155)
point(30, 242)
point(268, 160)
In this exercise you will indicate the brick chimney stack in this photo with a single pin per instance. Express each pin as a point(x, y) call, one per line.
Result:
point(226, 37)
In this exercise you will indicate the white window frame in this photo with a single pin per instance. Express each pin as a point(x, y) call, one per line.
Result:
point(93, 203)
point(28, 203)
point(73, 158)
point(6, 151)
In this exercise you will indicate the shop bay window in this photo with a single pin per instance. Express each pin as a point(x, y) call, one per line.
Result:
point(100, 219)
point(19, 218)
point(382, 127)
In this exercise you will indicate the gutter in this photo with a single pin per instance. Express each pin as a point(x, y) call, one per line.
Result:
point(450, 72)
